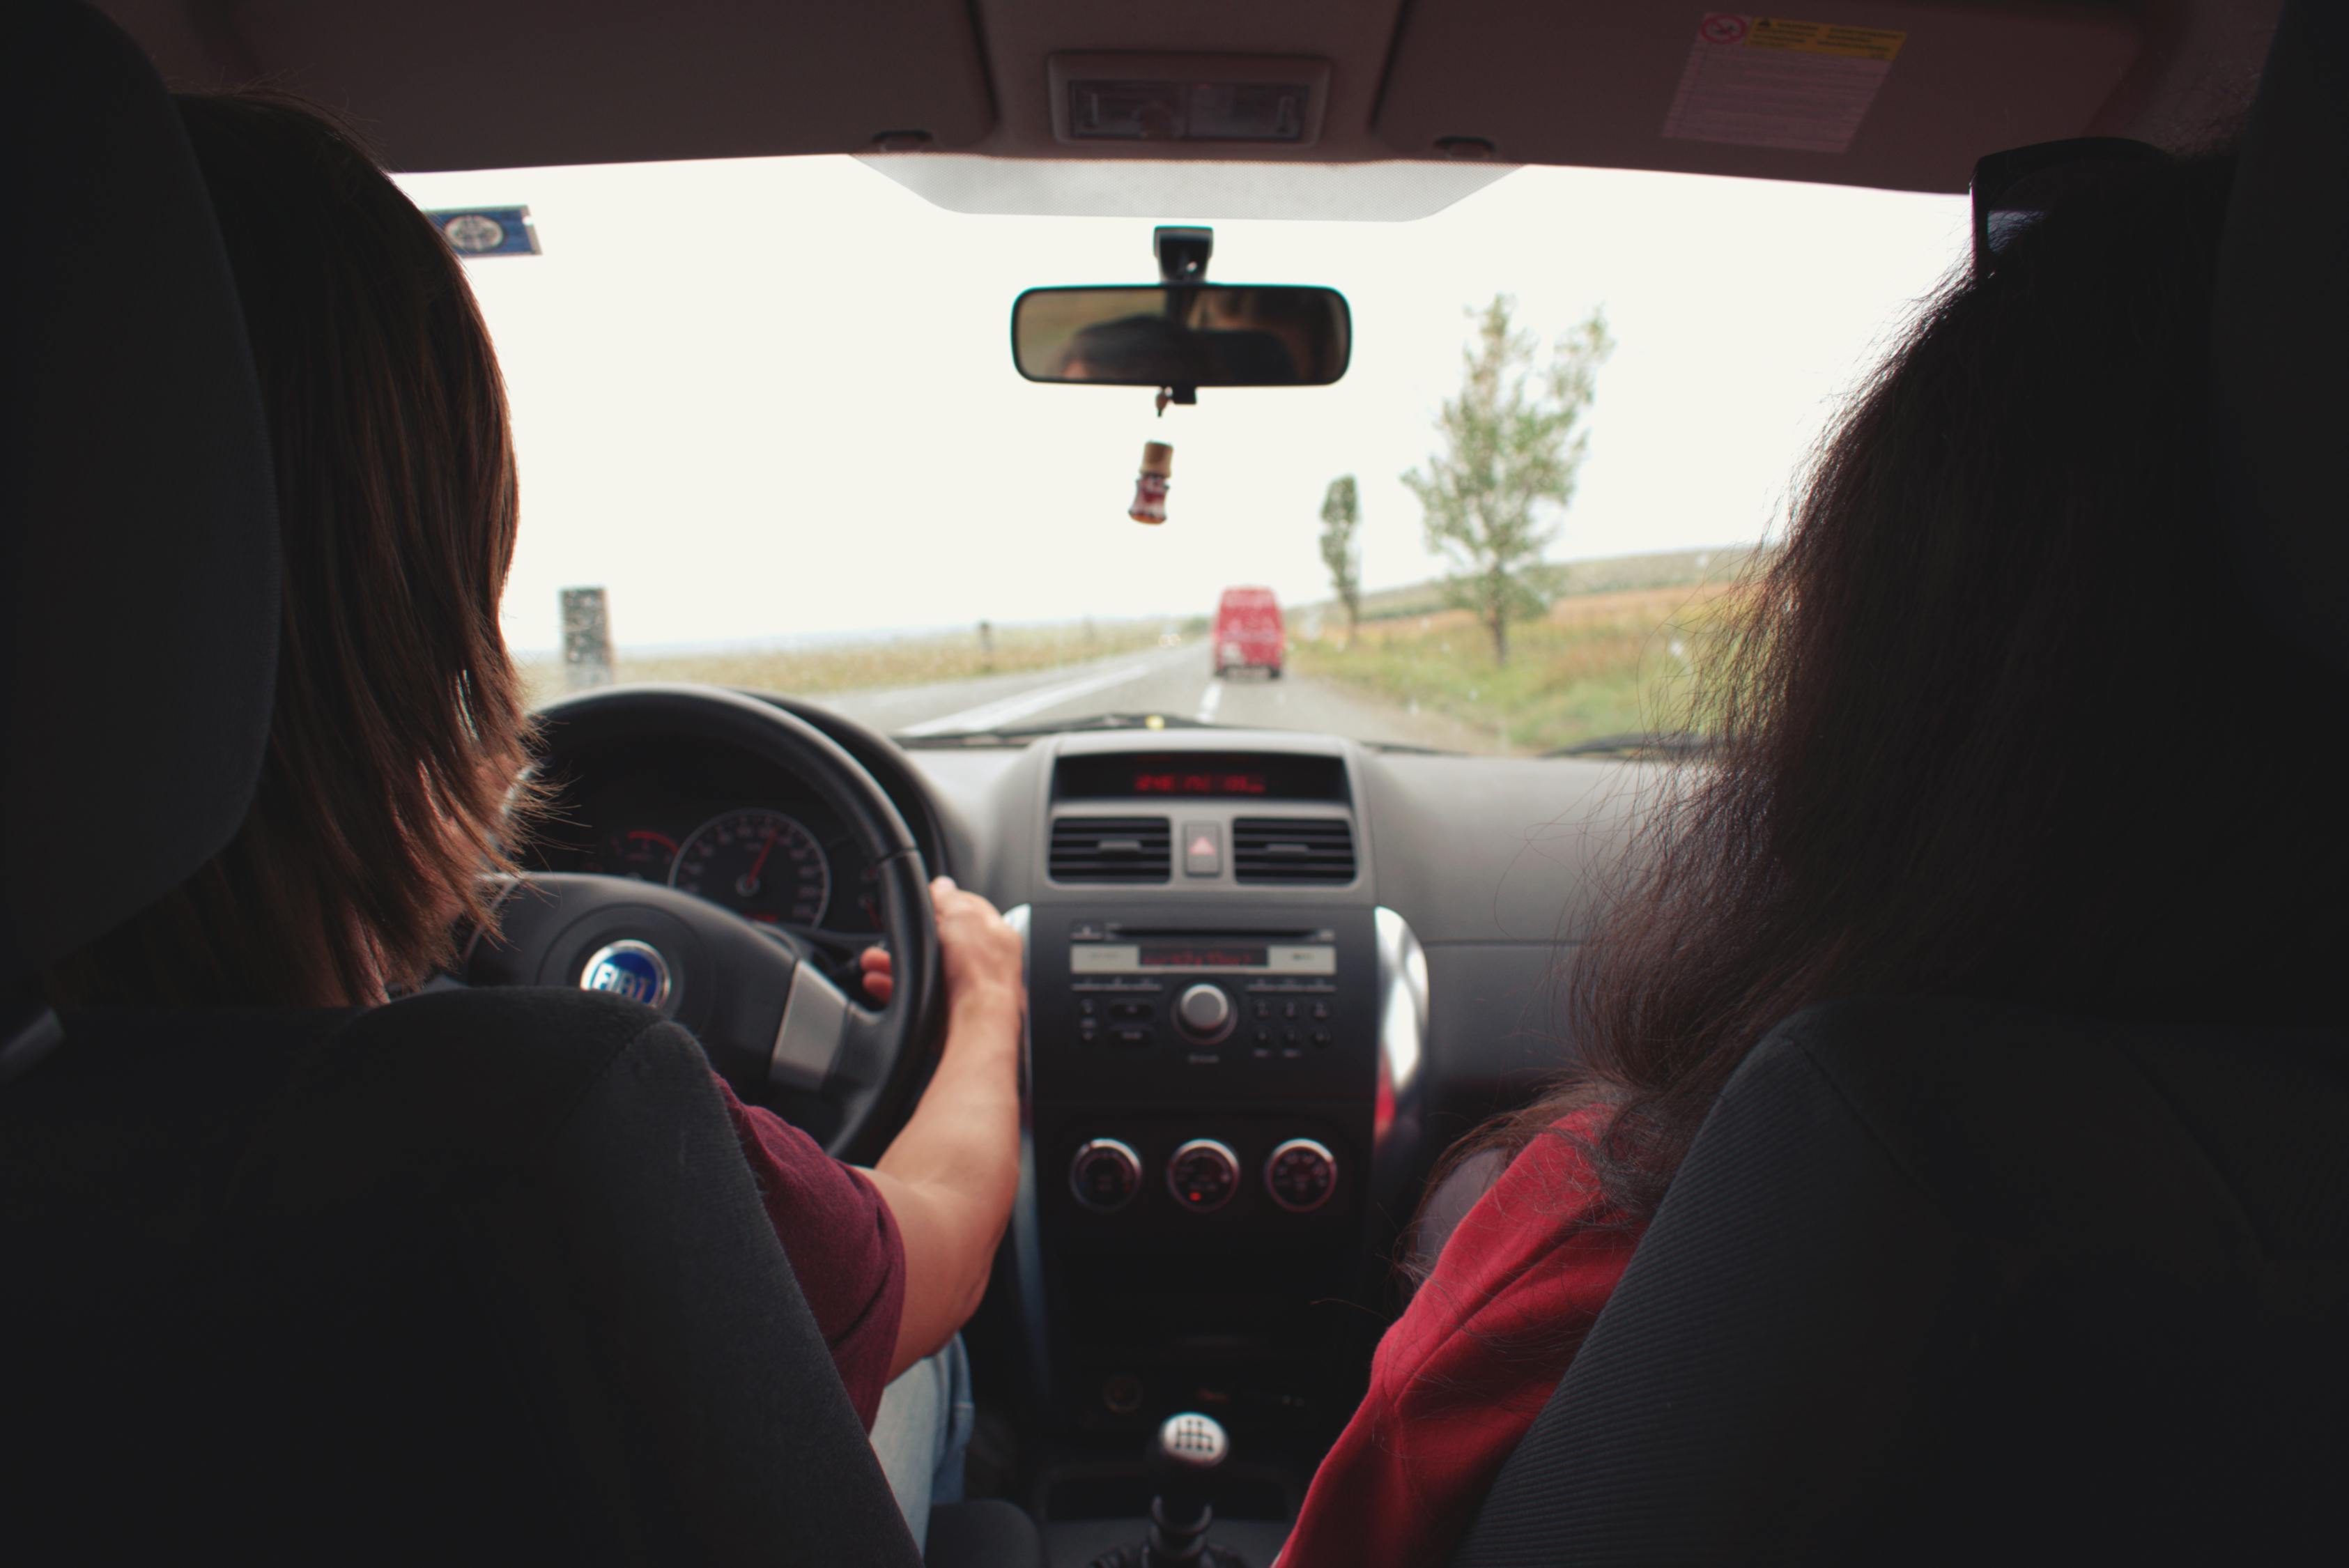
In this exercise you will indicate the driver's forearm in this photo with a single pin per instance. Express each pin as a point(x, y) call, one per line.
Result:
point(949, 1177)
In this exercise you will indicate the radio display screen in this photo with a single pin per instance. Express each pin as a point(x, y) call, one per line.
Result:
point(1165, 955)
point(1199, 775)
point(1158, 956)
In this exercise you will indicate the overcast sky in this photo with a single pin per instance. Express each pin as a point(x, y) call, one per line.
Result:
point(774, 398)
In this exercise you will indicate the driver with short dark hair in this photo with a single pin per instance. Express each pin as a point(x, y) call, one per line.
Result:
point(399, 742)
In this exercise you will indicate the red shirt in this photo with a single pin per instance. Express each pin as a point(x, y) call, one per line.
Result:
point(1463, 1372)
point(842, 1241)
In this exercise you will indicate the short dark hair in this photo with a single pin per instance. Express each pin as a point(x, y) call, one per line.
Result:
point(399, 731)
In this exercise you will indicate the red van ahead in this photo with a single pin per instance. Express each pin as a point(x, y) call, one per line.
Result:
point(1248, 632)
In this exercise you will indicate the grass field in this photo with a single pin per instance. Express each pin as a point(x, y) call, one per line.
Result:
point(912, 660)
point(1598, 664)
point(1562, 579)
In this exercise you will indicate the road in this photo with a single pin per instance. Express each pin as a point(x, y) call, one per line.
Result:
point(1175, 682)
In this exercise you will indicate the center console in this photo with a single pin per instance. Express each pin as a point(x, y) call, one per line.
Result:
point(1217, 1021)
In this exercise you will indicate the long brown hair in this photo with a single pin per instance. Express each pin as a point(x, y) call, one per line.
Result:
point(1995, 721)
point(398, 729)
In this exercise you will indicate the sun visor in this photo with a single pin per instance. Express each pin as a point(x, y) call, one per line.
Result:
point(1392, 191)
point(456, 84)
point(1901, 97)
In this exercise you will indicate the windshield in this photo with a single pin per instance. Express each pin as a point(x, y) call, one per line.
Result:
point(767, 417)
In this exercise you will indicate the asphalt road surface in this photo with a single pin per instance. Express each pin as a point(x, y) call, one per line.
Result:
point(1175, 682)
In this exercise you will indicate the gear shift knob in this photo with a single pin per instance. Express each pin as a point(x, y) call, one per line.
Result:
point(1184, 1458)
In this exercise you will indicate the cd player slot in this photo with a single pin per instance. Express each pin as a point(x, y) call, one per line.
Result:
point(1116, 929)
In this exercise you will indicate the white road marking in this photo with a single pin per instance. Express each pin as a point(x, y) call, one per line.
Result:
point(1212, 700)
point(1023, 704)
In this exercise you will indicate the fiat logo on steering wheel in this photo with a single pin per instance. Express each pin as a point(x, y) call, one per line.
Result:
point(631, 968)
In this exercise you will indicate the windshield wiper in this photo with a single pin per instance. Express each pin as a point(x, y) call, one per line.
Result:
point(1671, 747)
point(1020, 734)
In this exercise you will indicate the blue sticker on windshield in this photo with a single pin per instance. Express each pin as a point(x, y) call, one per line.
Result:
point(487, 231)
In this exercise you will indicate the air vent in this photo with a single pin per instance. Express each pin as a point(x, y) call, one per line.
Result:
point(1111, 849)
point(1292, 849)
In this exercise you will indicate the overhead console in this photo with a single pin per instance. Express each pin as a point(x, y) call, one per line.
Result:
point(1209, 1001)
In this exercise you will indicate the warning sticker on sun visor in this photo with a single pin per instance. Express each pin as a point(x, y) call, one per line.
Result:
point(1767, 81)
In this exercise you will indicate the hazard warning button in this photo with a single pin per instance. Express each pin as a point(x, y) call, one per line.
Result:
point(1203, 849)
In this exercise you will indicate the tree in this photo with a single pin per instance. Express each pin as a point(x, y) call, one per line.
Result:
point(1341, 515)
point(1513, 443)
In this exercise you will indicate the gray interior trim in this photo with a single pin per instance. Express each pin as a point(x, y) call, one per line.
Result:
point(807, 1043)
point(1402, 1001)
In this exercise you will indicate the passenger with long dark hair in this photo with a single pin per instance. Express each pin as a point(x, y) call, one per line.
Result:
point(1993, 723)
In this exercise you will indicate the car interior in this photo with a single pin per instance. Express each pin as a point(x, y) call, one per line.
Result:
point(1271, 974)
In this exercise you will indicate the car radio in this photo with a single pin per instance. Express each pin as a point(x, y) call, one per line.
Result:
point(1212, 988)
point(1137, 1009)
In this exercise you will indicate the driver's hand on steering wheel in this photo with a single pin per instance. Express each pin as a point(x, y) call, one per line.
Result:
point(979, 953)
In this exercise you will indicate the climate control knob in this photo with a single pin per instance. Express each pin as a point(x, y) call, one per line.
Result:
point(1203, 1175)
point(1204, 1012)
point(1105, 1175)
point(1300, 1175)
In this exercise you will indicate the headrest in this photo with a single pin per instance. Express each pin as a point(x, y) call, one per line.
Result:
point(2281, 334)
point(138, 557)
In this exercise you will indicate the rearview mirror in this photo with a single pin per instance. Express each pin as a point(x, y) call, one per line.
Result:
point(1183, 335)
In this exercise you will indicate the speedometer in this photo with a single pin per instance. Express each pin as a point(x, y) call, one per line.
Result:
point(757, 863)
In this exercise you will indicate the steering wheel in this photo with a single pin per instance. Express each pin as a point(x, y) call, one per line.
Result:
point(775, 1025)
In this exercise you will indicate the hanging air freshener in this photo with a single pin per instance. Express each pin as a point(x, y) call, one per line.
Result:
point(1150, 486)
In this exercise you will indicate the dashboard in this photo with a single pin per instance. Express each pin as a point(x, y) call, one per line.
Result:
point(1270, 976)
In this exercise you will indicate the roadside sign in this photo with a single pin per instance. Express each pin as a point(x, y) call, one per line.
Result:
point(487, 231)
point(586, 640)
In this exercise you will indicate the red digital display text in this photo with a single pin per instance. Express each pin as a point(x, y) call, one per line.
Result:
point(1157, 957)
point(1160, 782)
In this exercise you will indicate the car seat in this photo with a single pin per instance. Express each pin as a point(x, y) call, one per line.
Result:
point(1946, 1282)
point(472, 1277)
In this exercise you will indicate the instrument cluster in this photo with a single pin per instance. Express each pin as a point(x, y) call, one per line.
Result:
point(722, 826)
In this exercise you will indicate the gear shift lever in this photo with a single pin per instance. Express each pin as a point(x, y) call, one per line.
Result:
point(1184, 1458)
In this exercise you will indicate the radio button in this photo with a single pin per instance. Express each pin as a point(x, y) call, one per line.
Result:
point(1127, 1011)
point(1300, 1175)
point(1105, 1175)
point(1203, 1175)
point(1205, 1013)
point(1134, 1037)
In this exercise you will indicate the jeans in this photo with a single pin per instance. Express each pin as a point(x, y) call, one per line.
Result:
point(921, 1433)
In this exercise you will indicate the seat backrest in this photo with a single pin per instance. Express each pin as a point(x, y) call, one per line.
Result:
point(1942, 1283)
point(475, 1277)
point(138, 557)
point(478, 1275)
